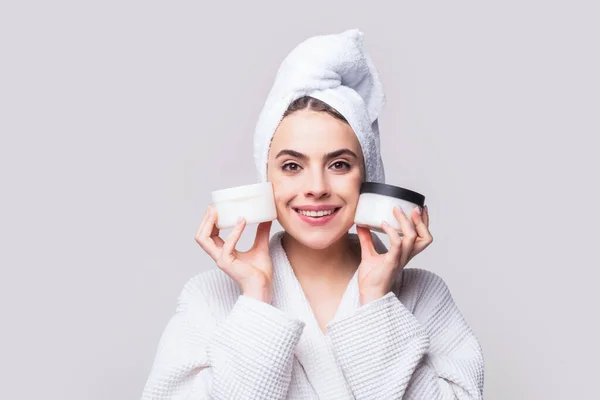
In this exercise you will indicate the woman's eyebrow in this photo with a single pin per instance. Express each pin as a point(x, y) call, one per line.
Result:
point(328, 156)
point(341, 152)
point(292, 153)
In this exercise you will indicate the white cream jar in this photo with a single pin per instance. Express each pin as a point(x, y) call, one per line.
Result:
point(376, 203)
point(256, 203)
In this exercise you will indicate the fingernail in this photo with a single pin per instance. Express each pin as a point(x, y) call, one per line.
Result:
point(419, 210)
point(239, 220)
point(426, 209)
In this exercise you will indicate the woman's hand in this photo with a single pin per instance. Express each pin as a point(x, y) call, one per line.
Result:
point(252, 270)
point(376, 272)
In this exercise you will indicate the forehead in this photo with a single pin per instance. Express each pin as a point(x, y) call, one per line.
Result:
point(313, 132)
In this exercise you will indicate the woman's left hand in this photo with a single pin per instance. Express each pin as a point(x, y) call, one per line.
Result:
point(376, 272)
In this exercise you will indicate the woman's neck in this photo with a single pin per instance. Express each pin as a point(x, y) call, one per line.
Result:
point(338, 261)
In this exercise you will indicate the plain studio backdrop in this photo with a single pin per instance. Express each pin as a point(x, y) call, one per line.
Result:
point(118, 118)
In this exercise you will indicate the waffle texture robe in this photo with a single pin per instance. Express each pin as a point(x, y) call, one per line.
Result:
point(412, 343)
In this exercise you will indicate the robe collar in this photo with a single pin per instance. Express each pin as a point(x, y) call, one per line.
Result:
point(314, 350)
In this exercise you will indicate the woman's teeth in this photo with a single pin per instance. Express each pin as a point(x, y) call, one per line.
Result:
point(316, 213)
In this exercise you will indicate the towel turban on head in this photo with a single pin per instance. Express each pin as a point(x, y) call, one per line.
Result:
point(334, 69)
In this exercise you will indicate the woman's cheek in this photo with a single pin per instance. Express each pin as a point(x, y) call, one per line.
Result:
point(349, 186)
point(282, 190)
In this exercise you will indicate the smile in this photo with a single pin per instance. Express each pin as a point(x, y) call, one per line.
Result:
point(315, 213)
point(317, 217)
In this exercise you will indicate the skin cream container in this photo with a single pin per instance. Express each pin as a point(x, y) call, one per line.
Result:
point(376, 203)
point(256, 203)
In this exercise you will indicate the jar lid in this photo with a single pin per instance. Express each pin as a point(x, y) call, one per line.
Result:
point(239, 192)
point(393, 191)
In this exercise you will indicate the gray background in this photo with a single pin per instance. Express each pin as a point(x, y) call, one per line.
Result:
point(118, 118)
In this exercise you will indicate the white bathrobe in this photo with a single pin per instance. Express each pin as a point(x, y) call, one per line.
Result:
point(413, 343)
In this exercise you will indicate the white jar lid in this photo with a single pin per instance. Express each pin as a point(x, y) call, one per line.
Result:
point(236, 192)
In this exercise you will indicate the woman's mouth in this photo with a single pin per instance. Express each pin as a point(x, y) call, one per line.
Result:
point(317, 217)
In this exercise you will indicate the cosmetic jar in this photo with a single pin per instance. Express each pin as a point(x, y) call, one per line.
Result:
point(256, 203)
point(376, 203)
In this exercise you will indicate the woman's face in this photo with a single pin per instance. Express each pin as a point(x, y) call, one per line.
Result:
point(316, 167)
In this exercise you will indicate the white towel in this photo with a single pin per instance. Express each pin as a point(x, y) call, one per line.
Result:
point(334, 69)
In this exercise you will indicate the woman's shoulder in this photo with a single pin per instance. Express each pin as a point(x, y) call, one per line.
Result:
point(420, 276)
point(212, 289)
point(420, 286)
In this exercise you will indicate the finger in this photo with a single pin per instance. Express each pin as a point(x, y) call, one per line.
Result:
point(209, 236)
point(212, 231)
point(420, 226)
point(425, 215)
point(409, 235)
point(406, 225)
point(233, 238)
point(214, 235)
point(367, 247)
point(396, 240)
point(204, 219)
point(423, 240)
point(262, 235)
point(416, 215)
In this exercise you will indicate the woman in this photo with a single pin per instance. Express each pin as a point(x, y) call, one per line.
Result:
point(316, 312)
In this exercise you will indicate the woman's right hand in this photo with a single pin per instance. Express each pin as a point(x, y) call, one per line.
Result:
point(252, 270)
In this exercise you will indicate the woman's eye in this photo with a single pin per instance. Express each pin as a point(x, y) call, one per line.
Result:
point(340, 165)
point(290, 167)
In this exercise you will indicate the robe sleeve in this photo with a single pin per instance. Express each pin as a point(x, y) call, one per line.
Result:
point(387, 352)
point(248, 355)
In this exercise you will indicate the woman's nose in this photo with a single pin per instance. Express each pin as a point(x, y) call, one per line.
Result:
point(317, 186)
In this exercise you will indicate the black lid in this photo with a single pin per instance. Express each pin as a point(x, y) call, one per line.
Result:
point(393, 191)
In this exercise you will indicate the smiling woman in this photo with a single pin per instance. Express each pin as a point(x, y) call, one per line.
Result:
point(316, 312)
point(316, 165)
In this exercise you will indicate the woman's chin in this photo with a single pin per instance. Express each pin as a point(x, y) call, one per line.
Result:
point(316, 243)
